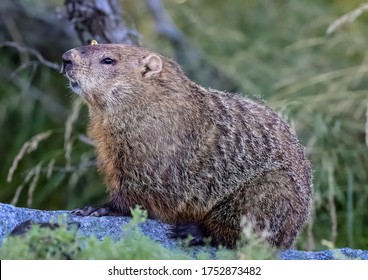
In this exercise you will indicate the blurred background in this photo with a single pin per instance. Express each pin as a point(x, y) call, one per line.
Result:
point(301, 57)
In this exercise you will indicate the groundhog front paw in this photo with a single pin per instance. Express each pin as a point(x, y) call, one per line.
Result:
point(194, 232)
point(98, 211)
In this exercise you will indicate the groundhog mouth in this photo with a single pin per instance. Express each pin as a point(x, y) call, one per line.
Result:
point(74, 86)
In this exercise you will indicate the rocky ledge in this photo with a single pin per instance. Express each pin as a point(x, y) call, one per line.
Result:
point(11, 216)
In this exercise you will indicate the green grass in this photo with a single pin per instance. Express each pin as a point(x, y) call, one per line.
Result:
point(277, 51)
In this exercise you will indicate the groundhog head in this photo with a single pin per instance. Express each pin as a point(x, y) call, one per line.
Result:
point(108, 74)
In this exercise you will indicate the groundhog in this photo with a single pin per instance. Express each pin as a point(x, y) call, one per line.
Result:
point(196, 158)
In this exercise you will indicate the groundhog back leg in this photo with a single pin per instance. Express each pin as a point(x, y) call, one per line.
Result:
point(273, 205)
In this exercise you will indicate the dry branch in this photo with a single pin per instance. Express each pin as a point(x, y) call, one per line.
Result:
point(31, 51)
point(101, 20)
point(346, 18)
point(194, 62)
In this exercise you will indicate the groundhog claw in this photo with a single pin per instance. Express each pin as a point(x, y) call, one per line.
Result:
point(98, 211)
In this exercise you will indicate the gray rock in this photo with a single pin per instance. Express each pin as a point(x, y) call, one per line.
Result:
point(11, 216)
point(344, 253)
point(100, 227)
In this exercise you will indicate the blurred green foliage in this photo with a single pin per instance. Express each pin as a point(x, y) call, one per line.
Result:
point(276, 50)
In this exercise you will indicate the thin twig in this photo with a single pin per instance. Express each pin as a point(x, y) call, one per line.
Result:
point(27, 148)
point(33, 52)
point(19, 189)
point(366, 126)
point(69, 129)
point(72, 168)
point(56, 110)
point(310, 236)
point(163, 23)
point(33, 185)
point(331, 204)
point(349, 17)
point(86, 140)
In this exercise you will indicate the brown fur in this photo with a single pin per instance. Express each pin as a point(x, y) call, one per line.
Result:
point(186, 153)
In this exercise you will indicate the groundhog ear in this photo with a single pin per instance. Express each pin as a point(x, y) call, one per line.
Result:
point(152, 64)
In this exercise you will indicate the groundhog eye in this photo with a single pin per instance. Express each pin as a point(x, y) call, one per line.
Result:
point(107, 60)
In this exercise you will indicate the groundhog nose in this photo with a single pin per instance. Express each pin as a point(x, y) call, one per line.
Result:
point(67, 62)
